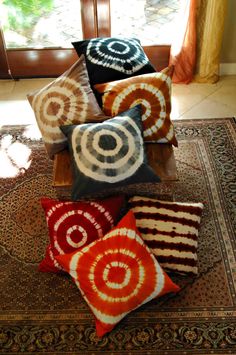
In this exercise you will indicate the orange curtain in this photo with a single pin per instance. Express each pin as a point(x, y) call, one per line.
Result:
point(183, 48)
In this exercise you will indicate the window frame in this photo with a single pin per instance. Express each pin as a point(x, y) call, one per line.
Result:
point(52, 62)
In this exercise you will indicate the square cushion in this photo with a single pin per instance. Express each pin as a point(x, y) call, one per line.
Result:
point(170, 229)
point(108, 154)
point(72, 225)
point(117, 274)
point(153, 92)
point(68, 99)
point(113, 58)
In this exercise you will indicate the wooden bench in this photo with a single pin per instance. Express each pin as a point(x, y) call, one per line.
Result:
point(160, 156)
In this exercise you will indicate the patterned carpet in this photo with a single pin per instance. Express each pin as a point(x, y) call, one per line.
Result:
point(44, 313)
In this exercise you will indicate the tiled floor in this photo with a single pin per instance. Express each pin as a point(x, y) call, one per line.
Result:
point(188, 101)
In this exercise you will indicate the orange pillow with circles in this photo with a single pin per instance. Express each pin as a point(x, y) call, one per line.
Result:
point(117, 274)
point(153, 92)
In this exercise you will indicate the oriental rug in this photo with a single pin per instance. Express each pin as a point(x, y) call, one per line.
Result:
point(45, 313)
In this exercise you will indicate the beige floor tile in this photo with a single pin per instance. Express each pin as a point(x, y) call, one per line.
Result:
point(26, 86)
point(185, 97)
point(205, 100)
point(14, 106)
point(210, 108)
point(226, 95)
point(20, 88)
point(6, 88)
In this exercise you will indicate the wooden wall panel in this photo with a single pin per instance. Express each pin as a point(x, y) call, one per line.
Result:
point(53, 62)
point(103, 18)
point(4, 73)
point(89, 18)
point(40, 62)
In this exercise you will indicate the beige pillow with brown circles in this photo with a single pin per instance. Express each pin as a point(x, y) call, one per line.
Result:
point(66, 100)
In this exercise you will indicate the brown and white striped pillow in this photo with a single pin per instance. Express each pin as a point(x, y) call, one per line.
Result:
point(170, 229)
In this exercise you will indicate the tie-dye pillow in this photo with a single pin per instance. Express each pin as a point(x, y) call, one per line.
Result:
point(117, 274)
point(113, 58)
point(68, 99)
point(153, 92)
point(108, 154)
point(72, 225)
point(170, 230)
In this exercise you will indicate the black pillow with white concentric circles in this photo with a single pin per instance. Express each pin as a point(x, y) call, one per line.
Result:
point(109, 154)
point(113, 58)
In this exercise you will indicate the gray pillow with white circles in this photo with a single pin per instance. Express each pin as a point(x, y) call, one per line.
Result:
point(108, 154)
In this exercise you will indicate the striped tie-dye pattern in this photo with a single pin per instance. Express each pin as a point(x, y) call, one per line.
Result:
point(170, 229)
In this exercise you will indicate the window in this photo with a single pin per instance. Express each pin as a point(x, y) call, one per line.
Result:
point(151, 21)
point(41, 24)
point(36, 40)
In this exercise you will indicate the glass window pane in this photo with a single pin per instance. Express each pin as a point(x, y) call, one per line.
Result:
point(41, 23)
point(151, 21)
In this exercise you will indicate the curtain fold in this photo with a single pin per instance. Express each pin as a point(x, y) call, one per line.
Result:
point(195, 51)
point(183, 48)
point(210, 19)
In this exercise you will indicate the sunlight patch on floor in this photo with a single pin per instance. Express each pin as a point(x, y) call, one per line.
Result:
point(32, 132)
point(14, 157)
point(16, 112)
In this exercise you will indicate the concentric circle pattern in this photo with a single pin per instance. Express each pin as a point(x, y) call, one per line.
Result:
point(153, 92)
point(123, 55)
point(121, 273)
point(117, 274)
point(66, 100)
point(73, 225)
point(148, 94)
point(59, 105)
point(108, 152)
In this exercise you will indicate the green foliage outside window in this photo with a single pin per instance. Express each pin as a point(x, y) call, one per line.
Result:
point(23, 14)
